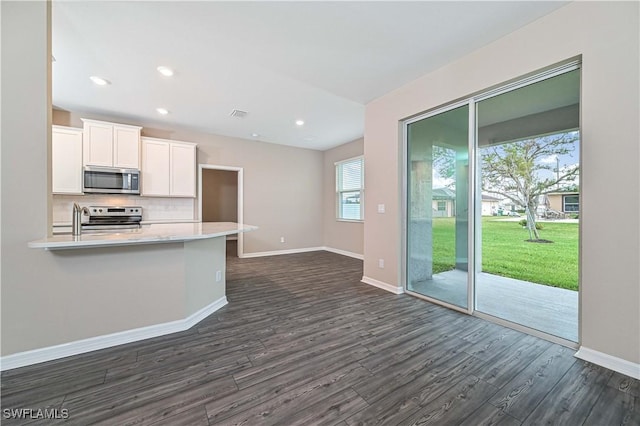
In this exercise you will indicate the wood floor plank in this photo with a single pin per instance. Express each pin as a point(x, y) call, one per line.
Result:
point(283, 406)
point(179, 360)
point(501, 368)
point(613, 408)
point(174, 406)
point(329, 411)
point(572, 399)
point(426, 363)
point(49, 389)
point(194, 417)
point(453, 406)
point(406, 395)
point(245, 399)
point(495, 343)
point(521, 395)
point(301, 363)
point(124, 395)
point(303, 341)
point(488, 415)
point(305, 346)
point(625, 384)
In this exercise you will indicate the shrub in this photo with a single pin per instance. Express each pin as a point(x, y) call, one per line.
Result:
point(523, 223)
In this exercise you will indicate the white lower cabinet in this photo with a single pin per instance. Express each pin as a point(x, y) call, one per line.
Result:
point(66, 160)
point(168, 168)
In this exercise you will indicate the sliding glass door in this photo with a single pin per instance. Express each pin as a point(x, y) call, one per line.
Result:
point(492, 204)
point(528, 152)
point(437, 206)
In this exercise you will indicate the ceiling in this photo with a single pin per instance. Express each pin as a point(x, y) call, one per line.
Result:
point(320, 62)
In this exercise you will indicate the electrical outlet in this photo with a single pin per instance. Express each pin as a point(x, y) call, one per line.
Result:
point(381, 263)
point(282, 239)
point(218, 276)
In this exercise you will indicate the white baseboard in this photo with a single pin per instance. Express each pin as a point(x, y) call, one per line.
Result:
point(344, 252)
point(279, 252)
point(36, 356)
point(303, 250)
point(385, 286)
point(620, 365)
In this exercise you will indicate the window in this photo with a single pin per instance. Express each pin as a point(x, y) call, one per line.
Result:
point(350, 189)
point(571, 203)
point(442, 206)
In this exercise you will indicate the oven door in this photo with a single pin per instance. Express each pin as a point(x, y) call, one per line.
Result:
point(111, 180)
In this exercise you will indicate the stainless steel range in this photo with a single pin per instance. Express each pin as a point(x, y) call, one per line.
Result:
point(113, 218)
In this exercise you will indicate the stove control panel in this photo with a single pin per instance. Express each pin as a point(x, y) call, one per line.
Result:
point(111, 211)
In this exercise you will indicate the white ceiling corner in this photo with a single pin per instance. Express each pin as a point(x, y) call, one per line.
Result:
point(278, 61)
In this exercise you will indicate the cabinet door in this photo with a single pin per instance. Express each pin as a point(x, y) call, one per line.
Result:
point(126, 147)
point(66, 161)
point(155, 168)
point(183, 170)
point(98, 144)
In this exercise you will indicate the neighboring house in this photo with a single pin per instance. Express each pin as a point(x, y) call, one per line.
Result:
point(564, 201)
point(443, 202)
point(489, 204)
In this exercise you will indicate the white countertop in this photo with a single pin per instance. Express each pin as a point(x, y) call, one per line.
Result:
point(147, 234)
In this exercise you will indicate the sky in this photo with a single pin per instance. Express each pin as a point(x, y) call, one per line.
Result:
point(566, 161)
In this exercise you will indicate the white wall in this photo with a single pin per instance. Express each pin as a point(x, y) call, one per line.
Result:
point(340, 235)
point(605, 34)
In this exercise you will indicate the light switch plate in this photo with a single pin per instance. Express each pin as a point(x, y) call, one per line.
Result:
point(380, 208)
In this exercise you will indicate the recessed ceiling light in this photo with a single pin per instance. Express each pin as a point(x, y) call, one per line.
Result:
point(255, 135)
point(166, 71)
point(162, 111)
point(299, 122)
point(99, 80)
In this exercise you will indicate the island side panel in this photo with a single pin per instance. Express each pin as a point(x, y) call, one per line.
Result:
point(203, 259)
point(114, 289)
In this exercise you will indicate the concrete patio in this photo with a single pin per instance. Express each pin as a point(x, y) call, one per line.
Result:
point(548, 309)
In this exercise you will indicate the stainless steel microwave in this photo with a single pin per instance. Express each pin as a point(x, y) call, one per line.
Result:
point(111, 180)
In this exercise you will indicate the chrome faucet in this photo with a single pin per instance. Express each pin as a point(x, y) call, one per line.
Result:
point(76, 220)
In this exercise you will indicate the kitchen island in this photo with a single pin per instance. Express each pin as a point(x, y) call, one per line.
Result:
point(120, 287)
point(146, 234)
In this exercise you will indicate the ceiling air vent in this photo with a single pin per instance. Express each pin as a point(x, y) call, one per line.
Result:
point(238, 113)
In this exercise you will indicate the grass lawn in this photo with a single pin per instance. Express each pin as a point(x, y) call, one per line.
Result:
point(505, 251)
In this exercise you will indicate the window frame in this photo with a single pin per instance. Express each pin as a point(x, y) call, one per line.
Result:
point(338, 165)
point(564, 203)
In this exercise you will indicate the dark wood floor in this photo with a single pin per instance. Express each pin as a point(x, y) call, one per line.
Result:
point(302, 341)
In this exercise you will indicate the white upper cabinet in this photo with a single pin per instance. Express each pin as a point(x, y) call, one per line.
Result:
point(111, 144)
point(155, 168)
point(126, 147)
point(183, 170)
point(168, 168)
point(66, 160)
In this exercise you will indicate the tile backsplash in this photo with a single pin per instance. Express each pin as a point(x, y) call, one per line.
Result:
point(153, 209)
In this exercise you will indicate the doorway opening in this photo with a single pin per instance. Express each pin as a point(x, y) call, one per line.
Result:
point(221, 200)
point(492, 205)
